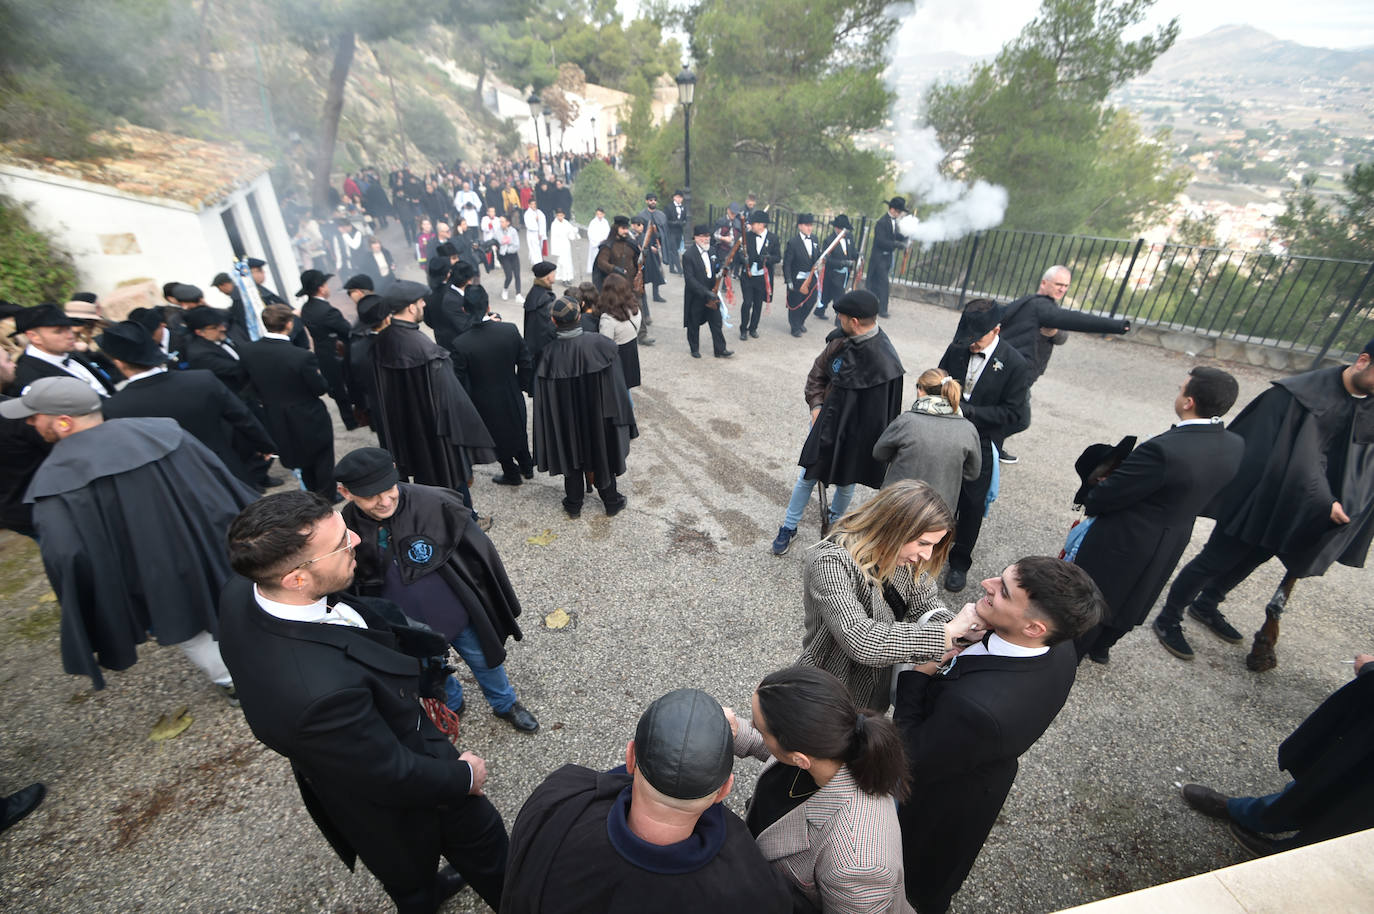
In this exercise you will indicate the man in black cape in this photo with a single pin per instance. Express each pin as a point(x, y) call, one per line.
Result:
point(1304, 493)
point(329, 331)
point(854, 390)
point(131, 516)
point(493, 364)
point(652, 835)
point(362, 373)
point(583, 420)
point(431, 426)
point(538, 315)
point(419, 548)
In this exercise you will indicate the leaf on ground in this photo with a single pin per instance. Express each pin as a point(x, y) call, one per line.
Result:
point(170, 727)
point(543, 539)
point(557, 619)
point(48, 597)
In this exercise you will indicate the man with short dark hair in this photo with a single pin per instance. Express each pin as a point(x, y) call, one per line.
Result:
point(1143, 512)
point(652, 245)
point(652, 835)
point(334, 683)
point(966, 725)
point(50, 352)
point(328, 330)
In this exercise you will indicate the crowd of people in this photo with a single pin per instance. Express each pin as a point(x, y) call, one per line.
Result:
point(331, 626)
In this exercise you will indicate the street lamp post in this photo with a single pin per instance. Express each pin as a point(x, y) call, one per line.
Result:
point(686, 90)
point(593, 136)
point(548, 135)
point(536, 103)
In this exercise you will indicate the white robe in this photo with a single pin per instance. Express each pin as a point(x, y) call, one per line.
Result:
point(536, 232)
point(598, 230)
point(561, 236)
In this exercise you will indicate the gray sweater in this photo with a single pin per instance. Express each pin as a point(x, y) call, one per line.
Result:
point(940, 450)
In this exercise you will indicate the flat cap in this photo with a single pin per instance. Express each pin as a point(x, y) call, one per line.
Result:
point(367, 471)
point(200, 318)
point(256, 264)
point(53, 397)
point(402, 293)
point(543, 268)
point(185, 292)
point(372, 310)
point(683, 745)
point(359, 281)
point(859, 303)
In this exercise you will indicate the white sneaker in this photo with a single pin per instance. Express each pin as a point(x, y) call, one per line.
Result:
point(505, 295)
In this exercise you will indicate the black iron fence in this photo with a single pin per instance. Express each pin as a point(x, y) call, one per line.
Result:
point(1308, 304)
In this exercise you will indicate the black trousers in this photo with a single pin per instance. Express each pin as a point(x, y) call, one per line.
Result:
point(717, 336)
point(673, 241)
point(512, 465)
point(968, 513)
point(575, 489)
point(752, 291)
point(877, 280)
point(1213, 573)
point(318, 472)
point(473, 838)
point(510, 265)
point(332, 369)
point(799, 308)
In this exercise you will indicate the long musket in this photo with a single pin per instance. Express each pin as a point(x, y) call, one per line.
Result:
point(725, 268)
point(805, 287)
point(643, 255)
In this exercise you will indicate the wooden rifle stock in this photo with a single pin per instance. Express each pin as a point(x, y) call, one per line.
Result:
point(729, 259)
point(643, 253)
point(810, 280)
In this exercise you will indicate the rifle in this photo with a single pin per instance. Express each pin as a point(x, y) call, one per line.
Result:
point(805, 287)
point(725, 268)
point(643, 255)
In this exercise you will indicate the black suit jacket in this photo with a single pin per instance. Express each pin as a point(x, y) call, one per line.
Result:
point(327, 326)
point(288, 382)
point(28, 369)
point(202, 406)
point(885, 240)
point(795, 260)
point(212, 357)
point(1144, 514)
point(998, 401)
point(698, 295)
point(964, 732)
point(343, 705)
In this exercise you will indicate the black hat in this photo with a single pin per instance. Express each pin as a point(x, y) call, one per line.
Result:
point(806, 219)
point(88, 297)
point(149, 318)
point(130, 341)
point(220, 279)
point(187, 293)
point(402, 293)
point(200, 318)
point(543, 268)
point(651, 196)
point(758, 215)
point(462, 271)
point(367, 471)
point(256, 264)
point(621, 220)
point(842, 222)
point(977, 321)
point(475, 300)
point(360, 281)
point(44, 315)
point(1097, 461)
point(897, 203)
point(679, 193)
point(567, 311)
point(637, 220)
point(446, 249)
point(683, 746)
point(859, 303)
point(701, 228)
point(372, 310)
point(311, 280)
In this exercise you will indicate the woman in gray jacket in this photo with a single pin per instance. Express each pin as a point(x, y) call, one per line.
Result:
point(932, 441)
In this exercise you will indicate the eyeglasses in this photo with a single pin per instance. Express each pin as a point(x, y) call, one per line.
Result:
point(347, 547)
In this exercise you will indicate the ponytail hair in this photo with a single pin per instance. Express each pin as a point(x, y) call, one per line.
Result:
point(808, 710)
point(936, 382)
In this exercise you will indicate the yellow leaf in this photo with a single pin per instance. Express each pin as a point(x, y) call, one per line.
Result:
point(48, 597)
point(171, 727)
point(543, 539)
point(557, 619)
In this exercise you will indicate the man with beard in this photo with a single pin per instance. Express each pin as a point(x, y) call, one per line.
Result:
point(430, 424)
point(131, 516)
point(494, 366)
point(699, 302)
point(1304, 492)
point(334, 683)
point(651, 215)
point(583, 420)
point(854, 390)
point(886, 237)
point(329, 330)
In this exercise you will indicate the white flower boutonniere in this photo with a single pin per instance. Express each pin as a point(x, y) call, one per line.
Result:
point(996, 365)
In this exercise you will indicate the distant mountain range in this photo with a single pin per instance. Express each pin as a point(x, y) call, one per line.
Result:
point(1244, 52)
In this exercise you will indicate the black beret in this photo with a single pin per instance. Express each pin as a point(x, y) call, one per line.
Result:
point(859, 303)
point(367, 471)
point(622, 220)
point(360, 281)
point(475, 300)
point(185, 292)
point(87, 297)
point(372, 310)
point(200, 318)
point(683, 746)
point(446, 249)
point(543, 268)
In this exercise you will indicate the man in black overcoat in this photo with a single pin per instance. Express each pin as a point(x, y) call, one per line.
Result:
point(334, 682)
point(431, 426)
point(194, 398)
point(1331, 759)
point(1304, 493)
point(1143, 512)
point(699, 302)
point(329, 331)
point(800, 255)
point(757, 258)
point(362, 370)
point(965, 726)
point(653, 245)
point(287, 380)
point(583, 419)
point(493, 364)
point(996, 380)
point(886, 238)
point(538, 328)
point(839, 265)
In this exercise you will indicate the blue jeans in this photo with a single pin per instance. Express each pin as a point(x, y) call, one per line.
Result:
point(495, 685)
point(801, 494)
point(1252, 813)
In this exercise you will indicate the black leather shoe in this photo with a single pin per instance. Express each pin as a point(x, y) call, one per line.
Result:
point(796, 333)
point(696, 355)
point(20, 803)
point(574, 511)
point(519, 718)
point(615, 505)
point(1171, 636)
point(501, 479)
point(527, 472)
point(659, 299)
point(1101, 655)
point(1253, 841)
point(753, 334)
point(1216, 623)
point(955, 580)
point(724, 355)
point(1206, 801)
point(448, 883)
point(744, 334)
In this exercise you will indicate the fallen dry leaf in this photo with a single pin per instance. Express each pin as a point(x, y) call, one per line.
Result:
point(543, 539)
point(171, 727)
point(557, 619)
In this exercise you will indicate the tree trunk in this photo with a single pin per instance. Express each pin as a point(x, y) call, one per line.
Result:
point(329, 123)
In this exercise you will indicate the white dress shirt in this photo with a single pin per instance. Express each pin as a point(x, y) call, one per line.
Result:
point(976, 366)
point(319, 611)
point(70, 365)
point(142, 374)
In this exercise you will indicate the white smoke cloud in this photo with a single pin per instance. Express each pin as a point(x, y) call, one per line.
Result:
point(960, 208)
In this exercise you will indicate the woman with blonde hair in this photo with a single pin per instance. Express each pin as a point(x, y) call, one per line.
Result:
point(932, 441)
point(869, 591)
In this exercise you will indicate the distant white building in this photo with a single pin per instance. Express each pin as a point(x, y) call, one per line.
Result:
point(163, 208)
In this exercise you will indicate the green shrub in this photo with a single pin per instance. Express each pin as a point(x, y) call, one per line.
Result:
point(32, 268)
point(600, 185)
point(428, 127)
